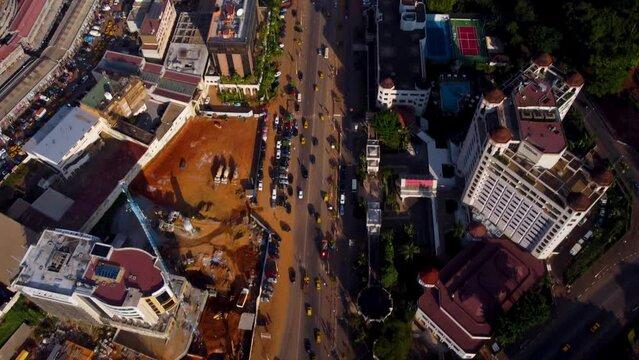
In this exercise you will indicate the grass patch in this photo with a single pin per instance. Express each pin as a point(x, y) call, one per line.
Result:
point(23, 311)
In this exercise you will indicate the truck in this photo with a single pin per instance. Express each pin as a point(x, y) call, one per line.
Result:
point(325, 52)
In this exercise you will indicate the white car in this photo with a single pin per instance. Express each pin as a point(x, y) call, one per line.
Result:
point(278, 144)
point(300, 194)
point(281, 46)
point(277, 120)
point(274, 195)
point(282, 16)
point(342, 199)
point(260, 185)
point(278, 154)
point(278, 74)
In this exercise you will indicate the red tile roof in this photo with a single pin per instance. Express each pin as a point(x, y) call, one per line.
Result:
point(602, 176)
point(548, 137)
point(140, 272)
point(6, 50)
point(185, 78)
point(501, 135)
point(27, 16)
point(494, 96)
point(485, 278)
point(118, 56)
point(536, 93)
point(172, 95)
point(477, 230)
point(153, 68)
point(578, 201)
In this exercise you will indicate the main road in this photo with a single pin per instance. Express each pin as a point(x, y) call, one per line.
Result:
point(316, 155)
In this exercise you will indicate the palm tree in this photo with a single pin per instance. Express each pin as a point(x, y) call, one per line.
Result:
point(409, 250)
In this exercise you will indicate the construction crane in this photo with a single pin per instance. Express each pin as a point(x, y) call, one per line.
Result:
point(150, 235)
point(146, 226)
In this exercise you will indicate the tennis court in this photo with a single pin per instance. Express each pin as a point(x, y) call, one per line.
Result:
point(468, 40)
point(468, 44)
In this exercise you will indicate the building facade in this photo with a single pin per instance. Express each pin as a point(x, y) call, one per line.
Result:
point(74, 276)
point(520, 179)
point(231, 37)
point(154, 22)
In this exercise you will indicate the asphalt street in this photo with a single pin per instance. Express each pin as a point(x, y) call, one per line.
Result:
point(307, 233)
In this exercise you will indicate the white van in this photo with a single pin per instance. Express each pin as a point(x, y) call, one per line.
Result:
point(299, 97)
point(325, 52)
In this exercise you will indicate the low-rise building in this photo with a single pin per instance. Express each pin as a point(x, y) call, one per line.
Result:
point(460, 302)
point(64, 137)
point(417, 186)
point(74, 276)
point(401, 35)
point(373, 156)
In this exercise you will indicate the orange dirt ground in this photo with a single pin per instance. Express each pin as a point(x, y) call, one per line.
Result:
point(203, 147)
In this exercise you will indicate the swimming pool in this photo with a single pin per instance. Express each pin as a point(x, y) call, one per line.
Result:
point(451, 92)
point(438, 46)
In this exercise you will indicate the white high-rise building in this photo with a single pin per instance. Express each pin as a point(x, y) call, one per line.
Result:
point(520, 179)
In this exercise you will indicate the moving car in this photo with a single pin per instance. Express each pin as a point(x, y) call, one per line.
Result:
point(305, 123)
point(291, 275)
point(321, 75)
point(300, 194)
point(594, 327)
point(302, 139)
point(324, 251)
point(318, 336)
point(318, 284)
point(309, 310)
point(316, 88)
point(321, 116)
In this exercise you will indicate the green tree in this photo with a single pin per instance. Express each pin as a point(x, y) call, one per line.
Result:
point(532, 309)
point(513, 32)
point(394, 341)
point(524, 11)
point(408, 251)
point(409, 230)
point(604, 41)
point(388, 128)
point(441, 6)
point(388, 276)
point(544, 39)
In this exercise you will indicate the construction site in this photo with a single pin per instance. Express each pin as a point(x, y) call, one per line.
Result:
point(193, 192)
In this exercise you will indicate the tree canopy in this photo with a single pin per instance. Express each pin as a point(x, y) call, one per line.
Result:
point(440, 6)
point(388, 127)
point(532, 309)
point(394, 342)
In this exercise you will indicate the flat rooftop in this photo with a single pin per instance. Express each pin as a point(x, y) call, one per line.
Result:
point(187, 58)
point(192, 28)
point(14, 242)
point(399, 51)
point(231, 21)
point(57, 261)
point(61, 133)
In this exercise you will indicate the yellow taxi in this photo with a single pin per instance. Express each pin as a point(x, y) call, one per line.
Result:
point(318, 336)
point(309, 310)
point(321, 75)
point(316, 88)
point(305, 123)
point(321, 116)
point(318, 284)
point(302, 139)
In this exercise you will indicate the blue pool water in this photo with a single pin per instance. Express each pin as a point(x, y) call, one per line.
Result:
point(451, 92)
point(438, 41)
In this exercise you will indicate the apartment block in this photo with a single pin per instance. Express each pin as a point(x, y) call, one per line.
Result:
point(520, 179)
point(231, 37)
point(154, 21)
point(74, 276)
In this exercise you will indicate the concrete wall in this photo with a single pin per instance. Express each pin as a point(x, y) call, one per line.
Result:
point(153, 149)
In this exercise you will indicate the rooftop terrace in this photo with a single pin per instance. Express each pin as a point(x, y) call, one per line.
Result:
point(399, 51)
point(57, 261)
point(231, 20)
